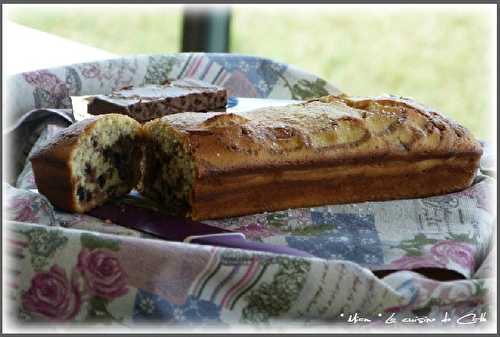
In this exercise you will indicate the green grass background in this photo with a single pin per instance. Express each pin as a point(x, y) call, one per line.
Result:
point(439, 57)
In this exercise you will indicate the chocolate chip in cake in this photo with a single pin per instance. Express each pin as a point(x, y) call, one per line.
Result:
point(88, 196)
point(89, 170)
point(101, 180)
point(81, 193)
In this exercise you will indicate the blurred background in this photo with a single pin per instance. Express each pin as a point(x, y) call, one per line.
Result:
point(440, 57)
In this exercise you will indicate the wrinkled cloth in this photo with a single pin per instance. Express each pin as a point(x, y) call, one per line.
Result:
point(74, 267)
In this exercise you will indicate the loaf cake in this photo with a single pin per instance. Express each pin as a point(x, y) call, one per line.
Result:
point(89, 162)
point(150, 101)
point(335, 149)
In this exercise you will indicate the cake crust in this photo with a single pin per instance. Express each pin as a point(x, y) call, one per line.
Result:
point(51, 165)
point(335, 149)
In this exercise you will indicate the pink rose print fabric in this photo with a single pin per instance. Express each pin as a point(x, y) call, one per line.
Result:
point(103, 273)
point(440, 255)
point(51, 87)
point(415, 262)
point(52, 295)
point(457, 252)
point(95, 280)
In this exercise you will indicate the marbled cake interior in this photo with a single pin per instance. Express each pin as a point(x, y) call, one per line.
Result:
point(168, 169)
point(102, 164)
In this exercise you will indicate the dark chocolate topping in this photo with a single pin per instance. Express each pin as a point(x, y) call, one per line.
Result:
point(151, 101)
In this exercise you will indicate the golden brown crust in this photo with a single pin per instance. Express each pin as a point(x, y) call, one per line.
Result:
point(53, 180)
point(232, 152)
point(51, 165)
point(320, 131)
point(225, 196)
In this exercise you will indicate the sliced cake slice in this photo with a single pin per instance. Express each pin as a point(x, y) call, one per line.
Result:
point(89, 162)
